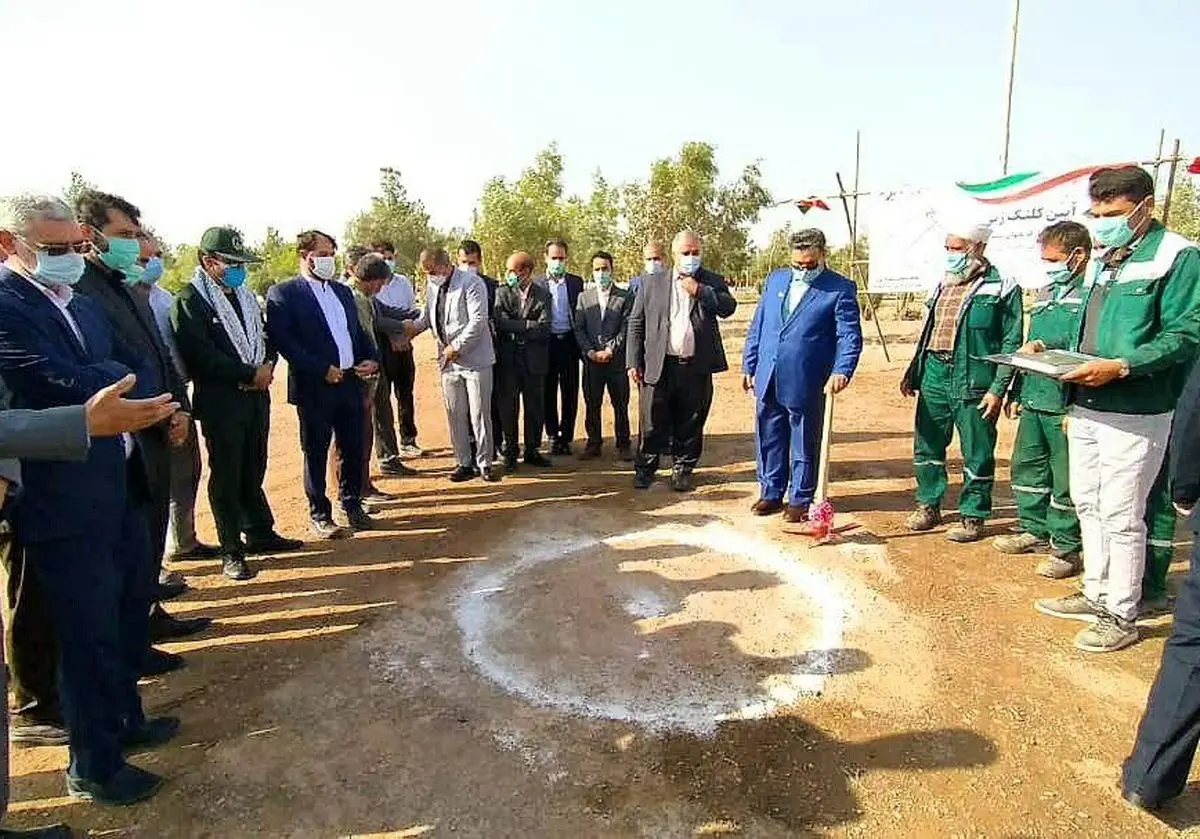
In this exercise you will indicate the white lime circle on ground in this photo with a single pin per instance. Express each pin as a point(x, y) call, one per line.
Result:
point(487, 612)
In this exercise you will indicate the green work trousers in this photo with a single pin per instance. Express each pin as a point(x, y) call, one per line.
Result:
point(1160, 538)
point(1041, 482)
point(940, 411)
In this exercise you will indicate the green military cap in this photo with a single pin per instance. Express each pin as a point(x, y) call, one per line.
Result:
point(226, 243)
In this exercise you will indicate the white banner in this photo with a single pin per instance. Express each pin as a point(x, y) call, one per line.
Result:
point(908, 228)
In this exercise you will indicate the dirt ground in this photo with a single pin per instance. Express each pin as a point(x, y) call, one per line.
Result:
point(557, 655)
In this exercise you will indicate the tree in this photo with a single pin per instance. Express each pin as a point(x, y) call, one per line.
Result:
point(776, 253)
point(395, 217)
point(280, 261)
point(1185, 209)
point(179, 266)
point(78, 186)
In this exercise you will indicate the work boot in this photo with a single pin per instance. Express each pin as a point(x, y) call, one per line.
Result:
point(925, 517)
point(1021, 543)
point(1060, 565)
point(967, 530)
point(1107, 635)
point(1073, 607)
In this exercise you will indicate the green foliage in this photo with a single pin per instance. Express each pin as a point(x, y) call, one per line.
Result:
point(775, 254)
point(279, 262)
point(1185, 209)
point(395, 217)
point(839, 260)
point(179, 265)
point(79, 185)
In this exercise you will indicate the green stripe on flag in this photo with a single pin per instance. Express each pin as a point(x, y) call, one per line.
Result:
point(997, 185)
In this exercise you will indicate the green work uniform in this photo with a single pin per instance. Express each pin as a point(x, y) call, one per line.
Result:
point(1041, 481)
point(950, 386)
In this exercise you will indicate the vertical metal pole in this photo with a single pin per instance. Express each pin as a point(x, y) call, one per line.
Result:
point(1162, 137)
point(1170, 183)
point(1012, 72)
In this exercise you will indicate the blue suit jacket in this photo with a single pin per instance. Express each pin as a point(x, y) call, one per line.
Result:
point(296, 327)
point(822, 336)
point(45, 367)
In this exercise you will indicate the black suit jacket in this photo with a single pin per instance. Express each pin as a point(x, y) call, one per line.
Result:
point(603, 330)
point(218, 372)
point(574, 289)
point(649, 324)
point(523, 332)
point(1185, 449)
point(133, 322)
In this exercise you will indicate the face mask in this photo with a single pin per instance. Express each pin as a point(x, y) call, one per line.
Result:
point(468, 269)
point(805, 275)
point(956, 262)
point(133, 274)
point(603, 278)
point(235, 276)
point(556, 267)
point(153, 271)
point(653, 266)
point(512, 279)
point(121, 253)
point(391, 264)
point(324, 267)
point(689, 265)
point(438, 279)
point(1113, 232)
point(64, 269)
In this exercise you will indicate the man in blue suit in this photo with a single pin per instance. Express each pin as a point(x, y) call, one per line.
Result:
point(313, 322)
point(803, 346)
point(81, 524)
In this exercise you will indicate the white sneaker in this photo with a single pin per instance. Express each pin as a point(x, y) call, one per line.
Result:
point(411, 450)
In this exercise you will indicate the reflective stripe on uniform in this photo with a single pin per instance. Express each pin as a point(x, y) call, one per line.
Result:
point(1160, 543)
point(1058, 506)
point(1031, 490)
point(929, 463)
point(975, 477)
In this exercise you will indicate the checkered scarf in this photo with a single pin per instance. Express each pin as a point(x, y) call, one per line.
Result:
point(247, 338)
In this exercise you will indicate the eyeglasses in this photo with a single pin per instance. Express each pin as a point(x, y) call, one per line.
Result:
point(690, 252)
point(58, 248)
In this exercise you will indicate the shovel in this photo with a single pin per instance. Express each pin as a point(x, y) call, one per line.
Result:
point(820, 513)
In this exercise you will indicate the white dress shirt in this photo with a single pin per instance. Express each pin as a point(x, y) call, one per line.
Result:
point(335, 319)
point(398, 293)
point(602, 296)
point(795, 294)
point(681, 336)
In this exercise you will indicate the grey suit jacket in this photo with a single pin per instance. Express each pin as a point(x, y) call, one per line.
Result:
point(467, 327)
point(649, 324)
point(603, 330)
point(50, 434)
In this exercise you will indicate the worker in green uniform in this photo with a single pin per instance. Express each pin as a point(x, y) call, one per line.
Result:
point(1160, 548)
point(971, 314)
point(1041, 481)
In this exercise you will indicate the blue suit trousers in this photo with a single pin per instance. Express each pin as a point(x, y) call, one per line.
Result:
point(788, 443)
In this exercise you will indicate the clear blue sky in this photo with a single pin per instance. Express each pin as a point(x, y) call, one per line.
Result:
point(258, 112)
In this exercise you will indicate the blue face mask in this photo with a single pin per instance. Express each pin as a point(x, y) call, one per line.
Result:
point(235, 276)
point(121, 253)
point(956, 263)
point(64, 269)
point(556, 267)
point(805, 275)
point(689, 264)
point(153, 271)
point(1112, 232)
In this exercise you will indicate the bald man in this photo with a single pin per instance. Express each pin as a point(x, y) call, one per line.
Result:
point(971, 313)
point(673, 348)
point(522, 318)
point(653, 263)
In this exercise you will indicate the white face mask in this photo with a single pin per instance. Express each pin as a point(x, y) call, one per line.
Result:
point(438, 279)
point(324, 267)
point(653, 266)
point(468, 269)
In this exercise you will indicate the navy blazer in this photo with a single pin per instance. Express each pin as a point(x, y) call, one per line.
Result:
point(296, 328)
point(45, 366)
point(822, 336)
point(1185, 449)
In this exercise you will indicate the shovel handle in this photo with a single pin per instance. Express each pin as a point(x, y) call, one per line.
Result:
point(826, 442)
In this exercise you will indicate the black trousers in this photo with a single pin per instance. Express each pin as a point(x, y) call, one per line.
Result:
point(563, 377)
point(1170, 729)
point(598, 378)
point(237, 467)
point(520, 389)
point(673, 413)
point(339, 415)
point(30, 648)
point(98, 588)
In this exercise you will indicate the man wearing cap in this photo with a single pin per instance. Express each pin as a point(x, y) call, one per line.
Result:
point(972, 313)
point(219, 332)
point(802, 348)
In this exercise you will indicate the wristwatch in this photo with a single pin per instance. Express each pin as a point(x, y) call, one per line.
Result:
point(1124, 369)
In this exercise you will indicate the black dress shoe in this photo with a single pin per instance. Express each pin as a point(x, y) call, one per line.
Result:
point(538, 459)
point(396, 469)
point(1142, 803)
point(591, 452)
point(128, 786)
point(163, 626)
point(682, 481)
point(642, 479)
point(488, 475)
point(171, 590)
point(201, 551)
point(510, 462)
point(766, 507)
point(558, 447)
point(158, 662)
point(235, 567)
point(52, 831)
point(273, 544)
point(462, 473)
point(150, 734)
point(625, 453)
point(359, 520)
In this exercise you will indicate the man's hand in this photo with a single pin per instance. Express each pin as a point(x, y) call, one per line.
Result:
point(906, 389)
point(690, 285)
point(1033, 347)
point(108, 414)
point(1012, 410)
point(1095, 373)
point(177, 431)
point(451, 354)
point(747, 383)
point(591, 355)
point(333, 375)
point(989, 406)
point(410, 328)
point(366, 369)
point(635, 376)
point(836, 384)
point(603, 356)
point(263, 377)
